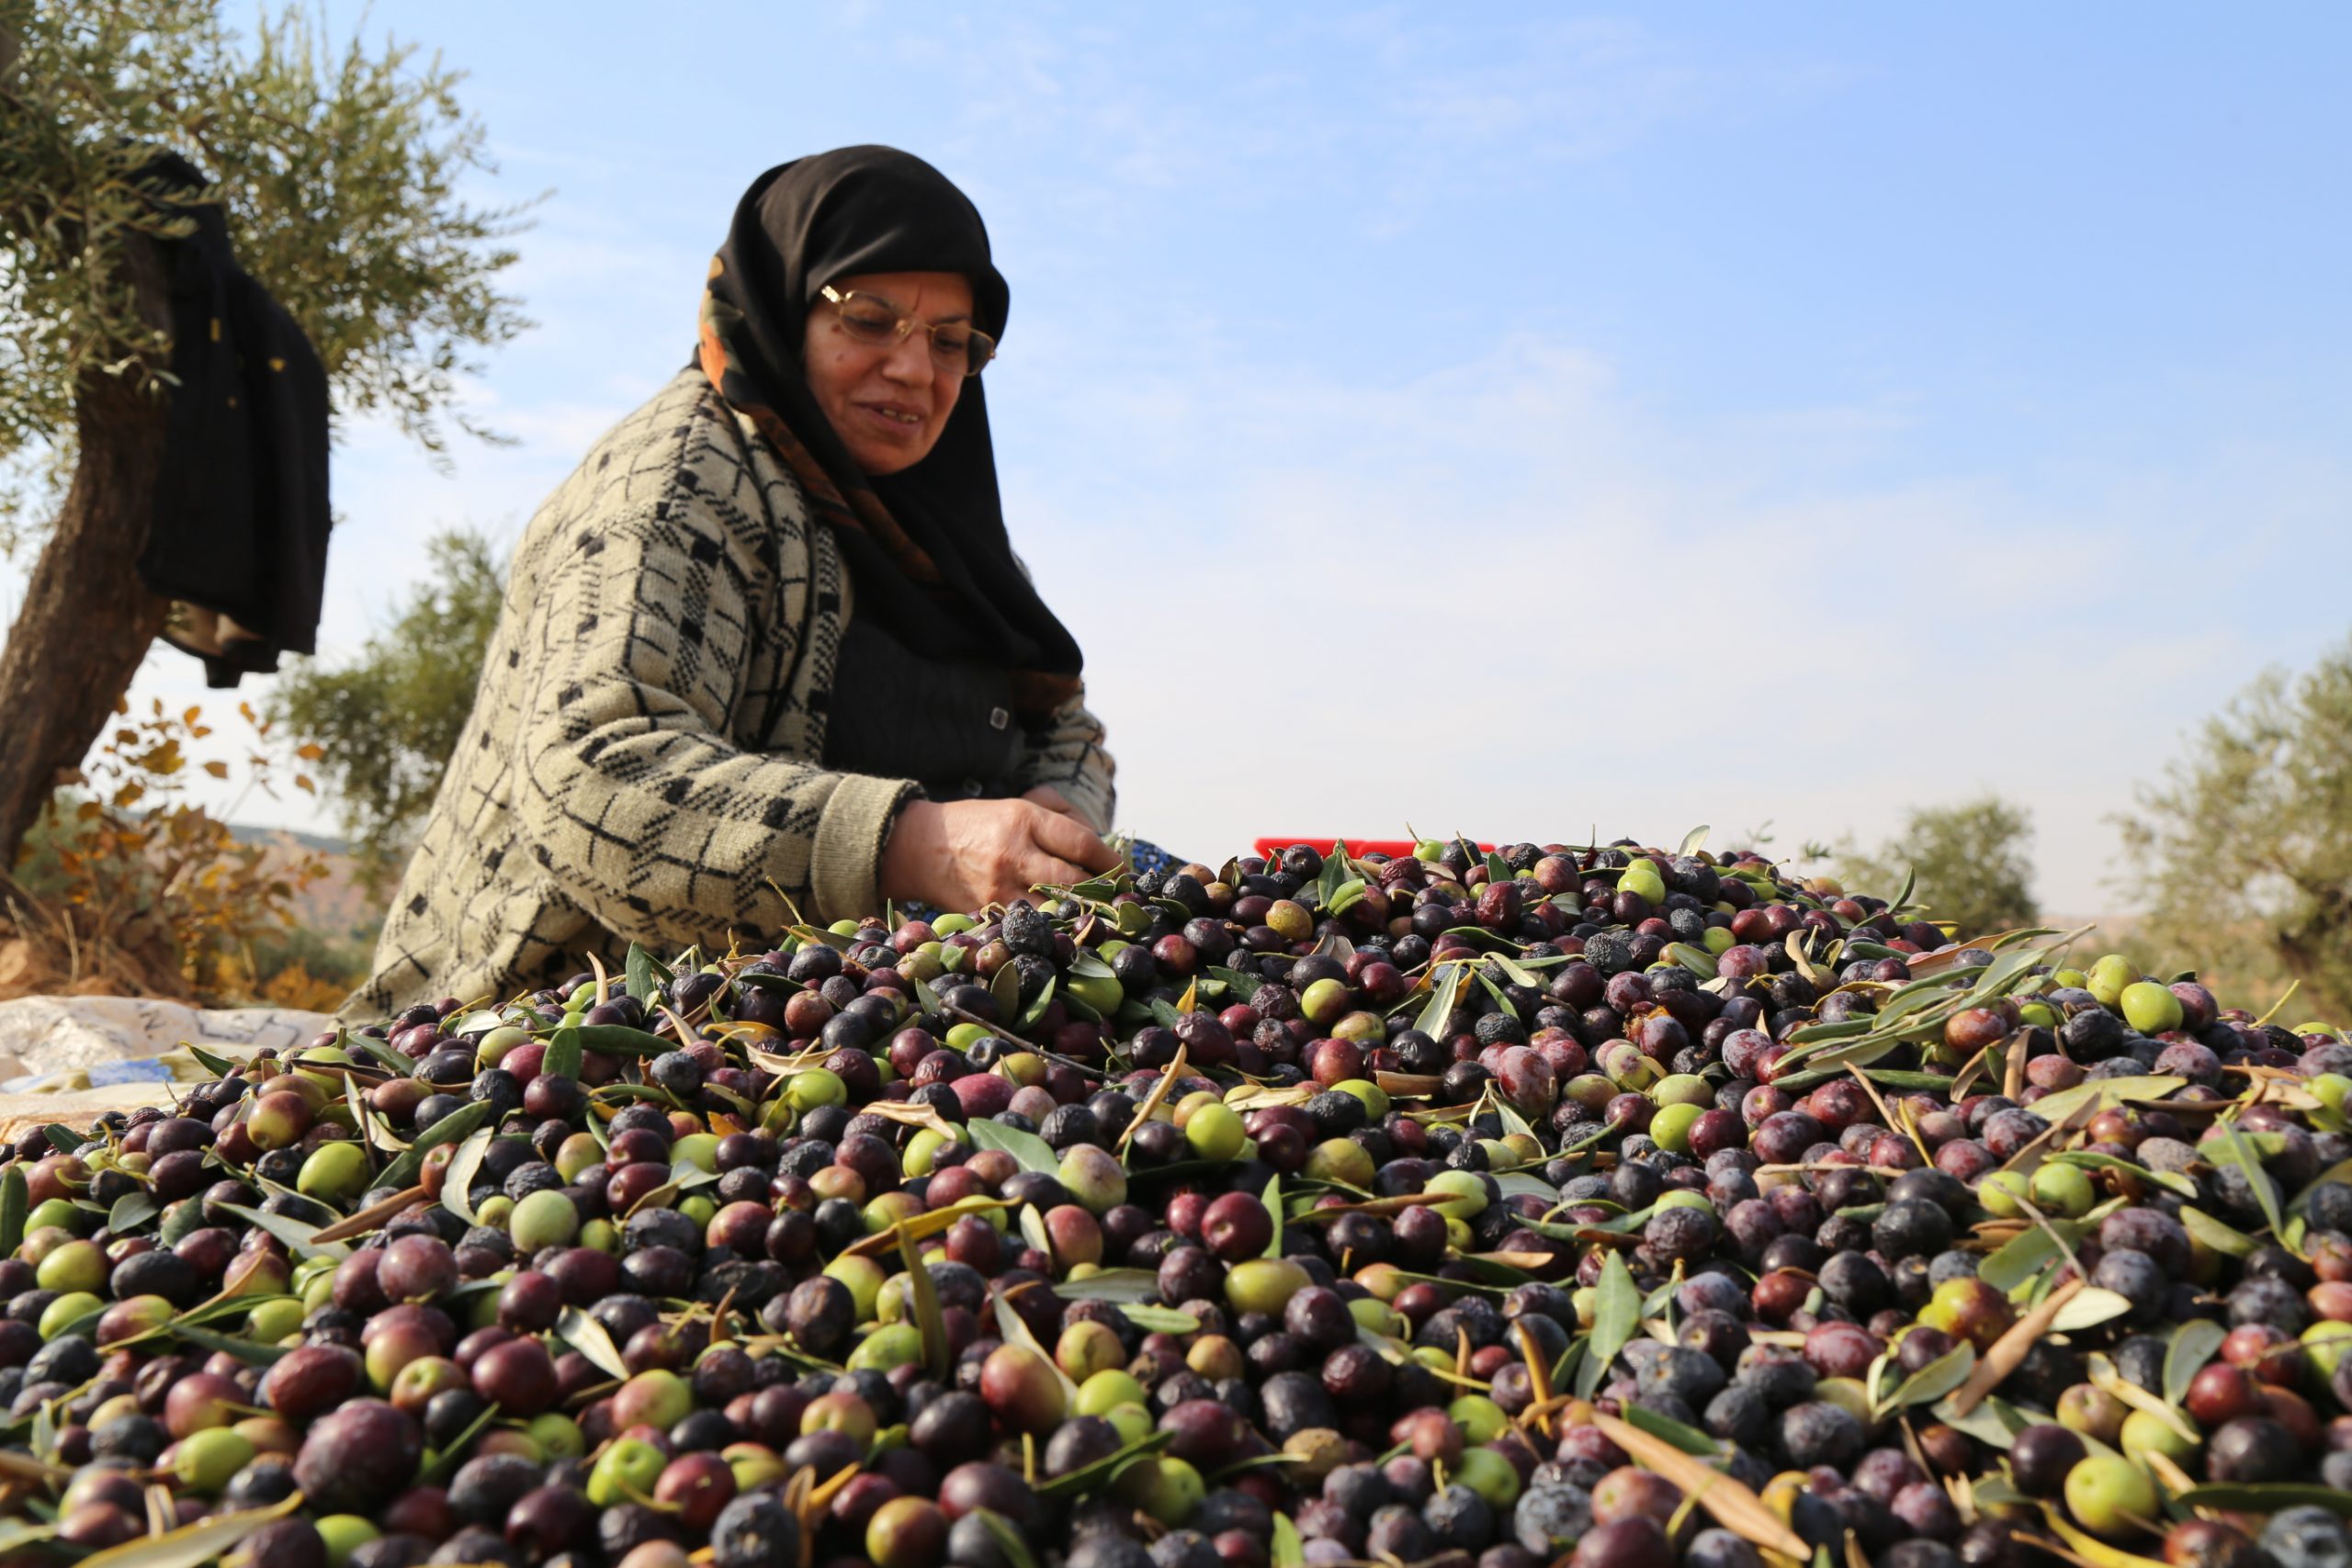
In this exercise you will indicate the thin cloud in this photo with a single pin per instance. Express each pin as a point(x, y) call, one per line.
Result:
point(1501, 597)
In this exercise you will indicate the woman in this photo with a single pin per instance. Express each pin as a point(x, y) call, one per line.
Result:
point(770, 640)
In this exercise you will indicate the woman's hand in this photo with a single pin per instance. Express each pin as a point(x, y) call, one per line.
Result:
point(1054, 801)
point(966, 854)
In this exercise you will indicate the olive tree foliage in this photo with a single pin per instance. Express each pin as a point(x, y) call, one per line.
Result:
point(1971, 860)
point(2242, 856)
point(338, 169)
point(386, 723)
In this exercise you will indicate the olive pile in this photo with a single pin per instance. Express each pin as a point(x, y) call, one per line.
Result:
point(1604, 1206)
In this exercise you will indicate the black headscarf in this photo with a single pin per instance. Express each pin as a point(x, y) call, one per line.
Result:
point(927, 547)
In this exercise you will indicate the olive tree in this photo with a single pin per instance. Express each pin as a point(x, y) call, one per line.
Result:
point(337, 170)
point(1971, 861)
point(2241, 855)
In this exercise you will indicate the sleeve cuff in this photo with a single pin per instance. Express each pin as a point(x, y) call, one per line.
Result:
point(846, 862)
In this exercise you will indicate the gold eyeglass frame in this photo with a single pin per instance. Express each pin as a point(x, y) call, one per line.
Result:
point(906, 325)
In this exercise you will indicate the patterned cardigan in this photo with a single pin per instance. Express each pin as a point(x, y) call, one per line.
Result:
point(644, 756)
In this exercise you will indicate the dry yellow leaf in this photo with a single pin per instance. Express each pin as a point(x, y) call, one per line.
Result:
point(1733, 1505)
point(2010, 1348)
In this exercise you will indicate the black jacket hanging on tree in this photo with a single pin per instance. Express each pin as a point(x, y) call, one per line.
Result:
point(239, 538)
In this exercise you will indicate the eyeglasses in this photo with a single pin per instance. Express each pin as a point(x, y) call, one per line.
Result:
point(955, 346)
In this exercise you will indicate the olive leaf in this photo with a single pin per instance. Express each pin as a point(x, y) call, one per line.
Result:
point(131, 1211)
point(1443, 992)
point(1519, 1184)
point(2104, 1375)
point(2205, 1229)
point(1986, 1423)
point(1273, 1199)
point(1511, 1119)
point(1617, 1313)
point(1698, 960)
point(1088, 964)
point(16, 1202)
point(922, 1296)
point(1033, 1229)
point(646, 976)
point(1161, 1319)
point(450, 1129)
point(1030, 1151)
point(2233, 1143)
point(219, 1067)
point(191, 1545)
point(1103, 1471)
point(384, 1056)
point(585, 1335)
point(1014, 1330)
point(1336, 873)
point(250, 1351)
point(1932, 1382)
point(1690, 1439)
point(805, 933)
point(1502, 1003)
point(1008, 1539)
point(1243, 987)
point(1288, 1550)
point(2089, 1159)
point(1005, 986)
point(300, 1239)
point(2103, 1092)
point(2262, 1497)
point(564, 1053)
point(2088, 1309)
point(620, 1040)
point(445, 1463)
point(2193, 1344)
point(17, 1534)
point(1124, 1286)
point(233, 1306)
point(1036, 1008)
point(62, 1138)
point(457, 1184)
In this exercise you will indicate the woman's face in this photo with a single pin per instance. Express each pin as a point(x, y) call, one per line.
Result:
point(888, 401)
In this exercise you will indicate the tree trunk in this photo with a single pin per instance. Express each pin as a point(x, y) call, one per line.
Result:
point(88, 619)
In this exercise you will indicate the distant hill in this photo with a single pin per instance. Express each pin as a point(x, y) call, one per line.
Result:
point(253, 833)
point(335, 906)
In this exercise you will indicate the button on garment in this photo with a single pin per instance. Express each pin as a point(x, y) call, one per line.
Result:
point(947, 724)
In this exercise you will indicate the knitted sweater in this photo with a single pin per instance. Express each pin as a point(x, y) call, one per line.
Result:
point(643, 760)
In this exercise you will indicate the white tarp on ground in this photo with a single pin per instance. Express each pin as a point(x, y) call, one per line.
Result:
point(68, 1043)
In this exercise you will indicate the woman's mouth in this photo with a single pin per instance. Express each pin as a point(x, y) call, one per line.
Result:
point(892, 417)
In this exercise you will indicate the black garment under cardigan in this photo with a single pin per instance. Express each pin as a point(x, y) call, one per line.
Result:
point(947, 724)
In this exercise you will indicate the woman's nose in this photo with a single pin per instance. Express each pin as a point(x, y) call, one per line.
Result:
point(909, 361)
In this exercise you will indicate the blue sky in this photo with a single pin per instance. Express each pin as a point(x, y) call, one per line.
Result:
point(1524, 420)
